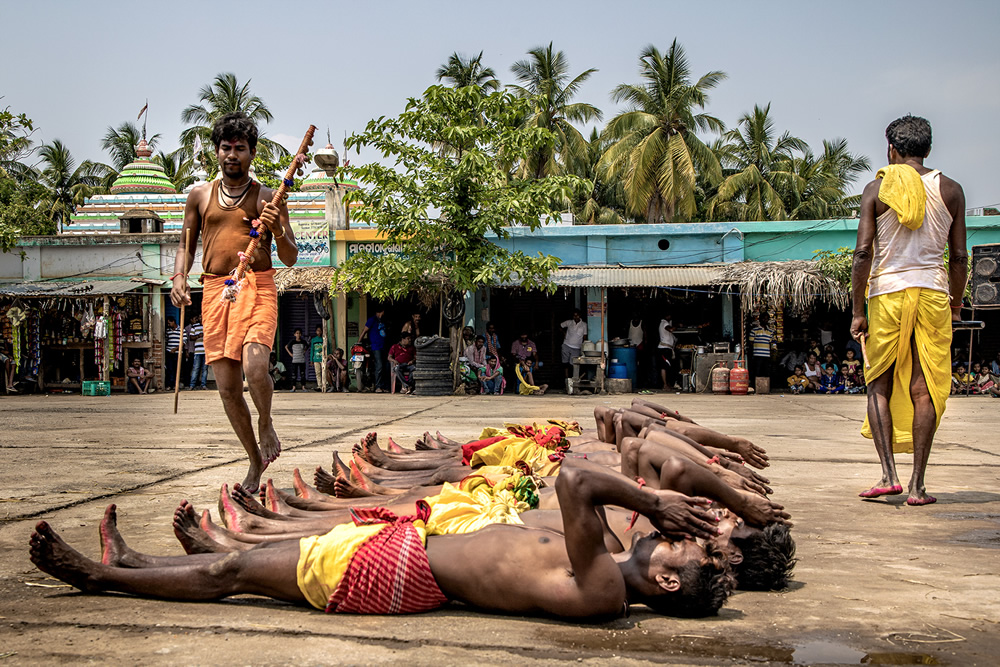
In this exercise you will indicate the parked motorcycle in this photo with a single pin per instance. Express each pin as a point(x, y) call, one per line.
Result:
point(361, 366)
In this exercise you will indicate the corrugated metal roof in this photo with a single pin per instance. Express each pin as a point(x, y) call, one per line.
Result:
point(638, 276)
point(70, 288)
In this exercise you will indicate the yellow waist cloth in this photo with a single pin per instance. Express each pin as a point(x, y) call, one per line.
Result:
point(457, 511)
point(323, 559)
point(523, 387)
point(893, 319)
point(902, 190)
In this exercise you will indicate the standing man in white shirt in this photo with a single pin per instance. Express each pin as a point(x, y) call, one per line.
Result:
point(665, 359)
point(576, 331)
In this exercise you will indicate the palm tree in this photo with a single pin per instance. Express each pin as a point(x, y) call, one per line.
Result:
point(605, 204)
point(121, 141)
point(759, 168)
point(823, 182)
point(543, 77)
point(226, 95)
point(16, 146)
point(460, 72)
point(176, 168)
point(654, 148)
point(67, 185)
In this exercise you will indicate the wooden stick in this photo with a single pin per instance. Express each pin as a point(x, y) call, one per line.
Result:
point(864, 351)
point(180, 344)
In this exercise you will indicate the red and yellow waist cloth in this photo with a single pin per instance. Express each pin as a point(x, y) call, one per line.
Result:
point(376, 565)
point(253, 318)
point(541, 447)
point(923, 315)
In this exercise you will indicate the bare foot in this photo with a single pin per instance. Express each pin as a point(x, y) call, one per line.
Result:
point(247, 501)
point(885, 487)
point(918, 497)
point(303, 490)
point(252, 481)
point(324, 481)
point(369, 449)
point(113, 547)
point(272, 500)
point(340, 468)
point(233, 516)
point(270, 446)
point(394, 448)
point(52, 555)
point(221, 535)
point(191, 536)
point(427, 442)
point(345, 489)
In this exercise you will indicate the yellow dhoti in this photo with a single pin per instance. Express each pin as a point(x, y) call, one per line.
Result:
point(475, 505)
point(893, 319)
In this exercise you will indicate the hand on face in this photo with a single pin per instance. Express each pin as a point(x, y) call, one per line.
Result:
point(678, 515)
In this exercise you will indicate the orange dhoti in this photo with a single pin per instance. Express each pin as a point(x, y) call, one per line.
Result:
point(253, 318)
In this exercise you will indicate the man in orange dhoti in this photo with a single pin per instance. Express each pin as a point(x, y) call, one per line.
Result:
point(238, 335)
point(908, 214)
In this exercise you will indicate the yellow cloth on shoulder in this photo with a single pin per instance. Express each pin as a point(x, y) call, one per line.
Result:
point(902, 190)
point(456, 511)
point(523, 387)
point(893, 319)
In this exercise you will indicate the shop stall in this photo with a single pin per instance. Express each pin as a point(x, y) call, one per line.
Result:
point(62, 334)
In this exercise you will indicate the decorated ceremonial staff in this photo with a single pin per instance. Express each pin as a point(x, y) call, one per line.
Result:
point(235, 282)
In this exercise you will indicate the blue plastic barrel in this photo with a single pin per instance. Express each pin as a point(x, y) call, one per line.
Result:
point(626, 355)
point(617, 371)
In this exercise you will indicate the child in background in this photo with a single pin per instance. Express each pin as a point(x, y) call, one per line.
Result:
point(798, 382)
point(850, 371)
point(960, 379)
point(336, 370)
point(830, 382)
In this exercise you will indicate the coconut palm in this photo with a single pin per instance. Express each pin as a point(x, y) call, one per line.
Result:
point(605, 203)
point(16, 146)
point(822, 182)
point(176, 168)
point(226, 95)
point(759, 169)
point(544, 78)
point(121, 141)
point(66, 185)
point(460, 72)
point(654, 148)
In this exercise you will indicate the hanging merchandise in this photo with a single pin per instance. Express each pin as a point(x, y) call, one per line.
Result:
point(16, 316)
point(88, 320)
point(34, 344)
point(779, 322)
point(119, 339)
point(101, 343)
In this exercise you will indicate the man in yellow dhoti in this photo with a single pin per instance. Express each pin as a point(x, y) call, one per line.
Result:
point(908, 214)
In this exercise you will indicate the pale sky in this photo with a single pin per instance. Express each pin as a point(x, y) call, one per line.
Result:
point(836, 69)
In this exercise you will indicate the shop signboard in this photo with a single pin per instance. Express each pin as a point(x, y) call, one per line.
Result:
point(312, 236)
point(373, 248)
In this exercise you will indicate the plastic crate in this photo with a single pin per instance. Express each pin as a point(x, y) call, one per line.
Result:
point(96, 388)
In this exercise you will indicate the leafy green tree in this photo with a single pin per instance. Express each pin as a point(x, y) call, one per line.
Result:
point(15, 145)
point(759, 169)
point(66, 184)
point(20, 214)
point(120, 142)
point(461, 71)
point(822, 183)
point(440, 207)
point(226, 95)
point(654, 147)
point(270, 173)
point(544, 78)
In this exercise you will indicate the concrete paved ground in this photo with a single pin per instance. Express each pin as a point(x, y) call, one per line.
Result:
point(877, 581)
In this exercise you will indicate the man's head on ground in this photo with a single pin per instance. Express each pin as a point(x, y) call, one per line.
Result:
point(768, 557)
point(678, 578)
point(235, 139)
point(908, 137)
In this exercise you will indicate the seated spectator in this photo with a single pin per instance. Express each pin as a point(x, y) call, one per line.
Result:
point(276, 370)
point(797, 382)
point(960, 380)
point(852, 373)
point(830, 382)
point(138, 379)
point(492, 340)
point(412, 326)
point(524, 348)
point(491, 376)
point(526, 379)
point(830, 360)
point(813, 347)
point(476, 354)
point(336, 370)
point(794, 357)
point(7, 364)
point(401, 356)
point(813, 371)
point(469, 337)
point(994, 367)
point(981, 376)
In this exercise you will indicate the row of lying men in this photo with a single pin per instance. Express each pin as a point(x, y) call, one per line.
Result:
point(649, 507)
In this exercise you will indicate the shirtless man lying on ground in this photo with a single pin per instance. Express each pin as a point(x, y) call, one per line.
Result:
point(504, 568)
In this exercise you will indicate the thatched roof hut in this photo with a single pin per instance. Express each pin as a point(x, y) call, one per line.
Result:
point(309, 279)
point(796, 283)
